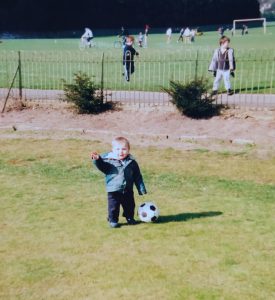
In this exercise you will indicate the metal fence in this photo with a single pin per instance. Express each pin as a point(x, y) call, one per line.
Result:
point(40, 74)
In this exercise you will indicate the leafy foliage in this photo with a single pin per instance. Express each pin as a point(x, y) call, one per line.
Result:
point(30, 14)
point(193, 99)
point(85, 95)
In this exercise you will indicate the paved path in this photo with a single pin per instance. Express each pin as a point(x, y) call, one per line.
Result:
point(147, 98)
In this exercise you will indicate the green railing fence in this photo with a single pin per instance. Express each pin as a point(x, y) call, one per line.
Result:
point(40, 73)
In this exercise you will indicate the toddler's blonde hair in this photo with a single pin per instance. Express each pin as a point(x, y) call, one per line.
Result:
point(121, 140)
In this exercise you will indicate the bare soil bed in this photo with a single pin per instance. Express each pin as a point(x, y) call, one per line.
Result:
point(234, 130)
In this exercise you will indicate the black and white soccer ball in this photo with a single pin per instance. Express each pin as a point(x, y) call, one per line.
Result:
point(148, 212)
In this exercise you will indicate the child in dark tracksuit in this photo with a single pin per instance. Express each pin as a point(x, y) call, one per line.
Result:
point(128, 58)
point(122, 172)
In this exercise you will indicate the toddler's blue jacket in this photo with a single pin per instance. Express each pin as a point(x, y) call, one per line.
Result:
point(120, 176)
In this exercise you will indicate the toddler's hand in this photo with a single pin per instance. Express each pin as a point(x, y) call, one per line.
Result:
point(94, 156)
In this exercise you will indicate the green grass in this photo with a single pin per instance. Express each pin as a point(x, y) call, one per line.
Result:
point(46, 61)
point(214, 239)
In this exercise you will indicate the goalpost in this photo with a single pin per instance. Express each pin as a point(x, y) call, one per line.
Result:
point(249, 20)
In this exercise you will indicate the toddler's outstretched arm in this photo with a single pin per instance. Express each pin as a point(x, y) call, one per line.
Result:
point(99, 163)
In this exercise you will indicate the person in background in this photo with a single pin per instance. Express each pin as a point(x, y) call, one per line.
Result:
point(192, 35)
point(88, 36)
point(169, 35)
point(140, 39)
point(128, 58)
point(146, 34)
point(124, 33)
point(221, 31)
point(244, 29)
point(223, 65)
point(187, 35)
point(181, 35)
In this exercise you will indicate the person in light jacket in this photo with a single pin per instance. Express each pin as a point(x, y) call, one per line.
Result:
point(223, 65)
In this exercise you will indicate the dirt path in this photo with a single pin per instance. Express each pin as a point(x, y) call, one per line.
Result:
point(234, 130)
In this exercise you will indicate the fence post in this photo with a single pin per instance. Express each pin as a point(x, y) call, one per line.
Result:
point(196, 66)
point(7, 97)
point(102, 78)
point(20, 75)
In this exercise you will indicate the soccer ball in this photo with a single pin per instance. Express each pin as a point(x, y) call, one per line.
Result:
point(148, 212)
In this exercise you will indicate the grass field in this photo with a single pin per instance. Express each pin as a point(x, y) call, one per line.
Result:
point(214, 239)
point(255, 40)
point(46, 61)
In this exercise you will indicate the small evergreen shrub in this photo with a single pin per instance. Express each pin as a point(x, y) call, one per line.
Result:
point(85, 95)
point(193, 99)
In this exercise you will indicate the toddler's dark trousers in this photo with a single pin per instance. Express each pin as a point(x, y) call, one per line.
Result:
point(126, 200)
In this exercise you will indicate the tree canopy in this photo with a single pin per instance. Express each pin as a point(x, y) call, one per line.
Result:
point(67, 15)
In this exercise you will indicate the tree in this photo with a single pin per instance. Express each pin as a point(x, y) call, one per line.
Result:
point(63, 15)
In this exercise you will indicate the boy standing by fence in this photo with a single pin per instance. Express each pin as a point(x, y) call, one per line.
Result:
point(128, 57)
point(122, 172)
point(223, 65)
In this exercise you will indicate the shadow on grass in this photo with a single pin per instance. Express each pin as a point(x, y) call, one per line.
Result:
point(183, 217)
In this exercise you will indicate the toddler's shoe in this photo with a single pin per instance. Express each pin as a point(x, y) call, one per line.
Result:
point(113, 224)
point(131, 221)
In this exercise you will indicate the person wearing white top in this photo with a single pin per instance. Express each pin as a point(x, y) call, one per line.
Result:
point(187, 35)
point(192, 35)
point(169, 35)
point(88, 36)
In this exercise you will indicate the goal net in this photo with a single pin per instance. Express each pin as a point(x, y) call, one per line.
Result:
point(249, 23)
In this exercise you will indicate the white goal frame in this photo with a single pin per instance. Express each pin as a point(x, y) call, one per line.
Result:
point(249, 20)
